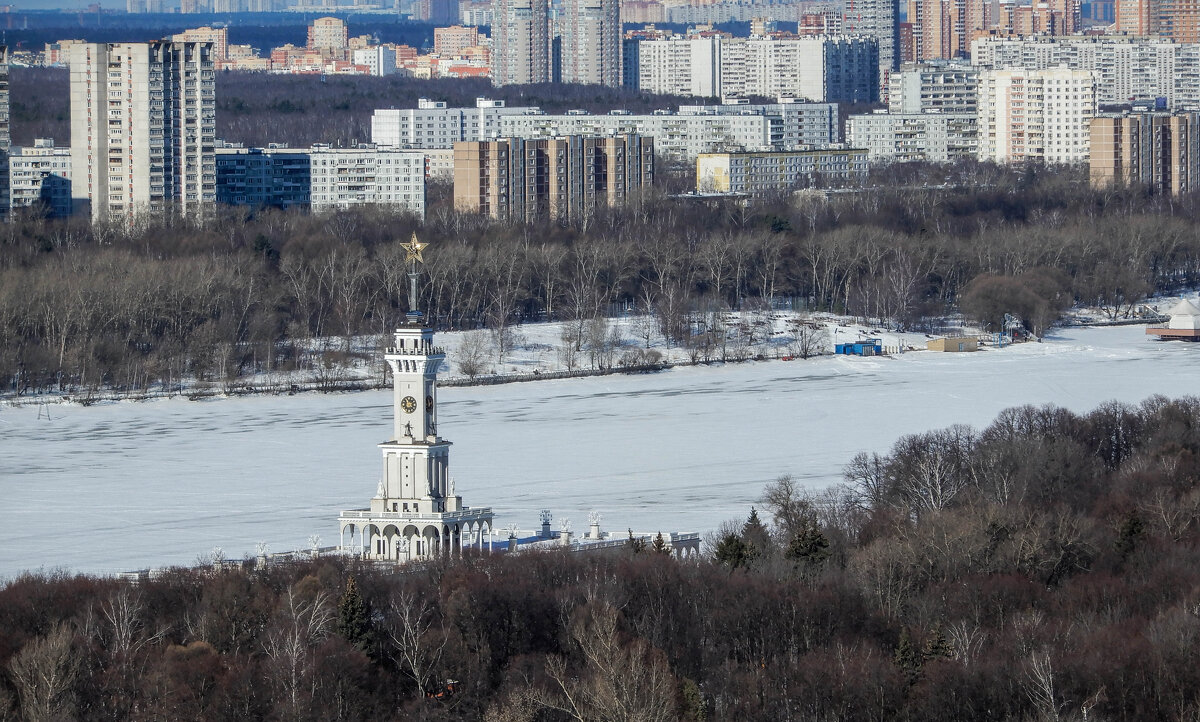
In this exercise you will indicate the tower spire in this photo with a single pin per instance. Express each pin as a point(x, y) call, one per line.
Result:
point(413, 258)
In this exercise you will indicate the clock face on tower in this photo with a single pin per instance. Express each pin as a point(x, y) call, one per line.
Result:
point(409, 404)
point(429, 404)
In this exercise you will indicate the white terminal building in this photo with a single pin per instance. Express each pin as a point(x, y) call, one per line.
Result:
point(416, 512)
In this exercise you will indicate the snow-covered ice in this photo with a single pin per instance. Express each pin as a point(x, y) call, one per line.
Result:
point(122, 486)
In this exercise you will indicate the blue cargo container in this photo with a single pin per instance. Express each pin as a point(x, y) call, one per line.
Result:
point(865, 347)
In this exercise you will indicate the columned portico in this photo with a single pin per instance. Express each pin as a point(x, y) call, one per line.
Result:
point(415, 513)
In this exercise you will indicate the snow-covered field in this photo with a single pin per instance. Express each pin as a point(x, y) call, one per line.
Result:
point(122, 486)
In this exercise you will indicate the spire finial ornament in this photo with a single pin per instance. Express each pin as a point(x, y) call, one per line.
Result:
point(413, 257)
point(413, 252)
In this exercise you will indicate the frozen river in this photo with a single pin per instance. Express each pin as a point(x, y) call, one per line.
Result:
point(128, 485)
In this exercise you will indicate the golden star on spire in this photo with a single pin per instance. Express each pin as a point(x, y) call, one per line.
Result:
point(413, 250)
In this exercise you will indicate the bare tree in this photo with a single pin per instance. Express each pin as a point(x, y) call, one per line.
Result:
point(624, 682)
point(472, 353)
point(303, 622)
point(418, 642)
point(44, 673)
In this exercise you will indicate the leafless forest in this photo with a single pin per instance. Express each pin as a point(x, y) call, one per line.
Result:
point(1044, 568)
point(84, 307)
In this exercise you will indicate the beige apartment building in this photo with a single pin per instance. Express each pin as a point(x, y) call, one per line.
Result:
point(1035, 115)
point(143, 125)
point(760, 174)
point(563, 179)
point(1158, 151)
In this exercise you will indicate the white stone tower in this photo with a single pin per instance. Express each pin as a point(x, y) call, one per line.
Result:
point(415, 512)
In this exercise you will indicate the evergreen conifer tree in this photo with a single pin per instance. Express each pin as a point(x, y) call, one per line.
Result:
point(354, 618)
point(660, 545)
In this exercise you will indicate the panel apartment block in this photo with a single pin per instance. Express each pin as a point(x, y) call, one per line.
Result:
point(760, 174)
point(906, 137)
point(5, 134)
point(322, 178)
point(143, 121)
point(591, 42)
point(433, 125)
point(562, 179)
point(1157, 151)
point(942, 89)
point(1035, 115)
point(1125, 68)
point(817, 68)
point(40, 175)
point(520, 33)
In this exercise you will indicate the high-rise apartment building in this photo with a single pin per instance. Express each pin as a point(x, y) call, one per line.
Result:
point(143, 124)
point(816, 68)
point(329, 37)
point(219, 37)
point(5, 134)
point(563, 179)
point(521, 42)
point(591, 42)
point(879, 19)
point(449, 42)
point(1136, 18)
point(1035, 115)
point(1158, 151)
point(322, 178)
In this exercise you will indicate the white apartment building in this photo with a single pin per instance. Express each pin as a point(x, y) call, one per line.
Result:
point(816, 68)
point(907, 137)
point(765, 173)
point(41, 174)
point(794, 124)
point(1126, 69)
point(380, 59)
point(680, 66)
point(433, 125)
point(675, 135)
point(5, 134)
point(1038, 115)
point(322, 178)
point(591, 42)
point(695, 129)
point(143, 123)
point(940, 88)
point(344, 177)
point(521, 42)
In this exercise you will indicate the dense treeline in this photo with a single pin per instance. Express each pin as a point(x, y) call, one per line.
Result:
point(83, 306)
point(1044, 568)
